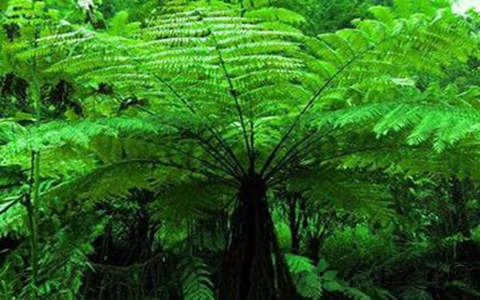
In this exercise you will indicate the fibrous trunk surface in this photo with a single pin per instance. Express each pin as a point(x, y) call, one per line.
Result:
point(254, 267)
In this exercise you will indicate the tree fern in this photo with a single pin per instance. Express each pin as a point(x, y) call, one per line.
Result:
point(231, 95)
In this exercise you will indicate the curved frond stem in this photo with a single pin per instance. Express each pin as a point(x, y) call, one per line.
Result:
point(233, 93)
point(365, 150)
point(290, 153)
point(10, 205)
point(152, 161)
point(217, 136)
point(296, 160)
point(286, 175)
point(208, 164)
point(295, 154)
point(197, 171)
point(308, 106)
point(230, 168)
point(214, 168)
point(300, 149)
point(216, 154)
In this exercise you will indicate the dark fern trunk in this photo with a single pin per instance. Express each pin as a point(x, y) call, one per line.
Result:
point(254, 267)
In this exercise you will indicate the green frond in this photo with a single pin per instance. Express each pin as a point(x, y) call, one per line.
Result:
point(191, 199)
point(300, 267)
point(336, 191)
point(195, 280)
point(276, 14)
point(299, 264)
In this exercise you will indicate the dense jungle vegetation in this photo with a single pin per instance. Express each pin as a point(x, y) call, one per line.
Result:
point(239, 150)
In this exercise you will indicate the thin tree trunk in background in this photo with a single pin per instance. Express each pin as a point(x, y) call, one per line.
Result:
point(295, 220)
point(460, 218)
point(466, 249)
point(31, 200)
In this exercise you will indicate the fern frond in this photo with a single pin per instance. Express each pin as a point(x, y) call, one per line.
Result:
point(195, 280)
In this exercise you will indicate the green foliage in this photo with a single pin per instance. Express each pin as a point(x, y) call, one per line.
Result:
point(187, 101)
point(311, 281)
point(195, 281)
point(476, 234)
point(361, 243)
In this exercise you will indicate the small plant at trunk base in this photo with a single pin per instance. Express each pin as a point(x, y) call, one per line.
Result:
point(313, 283)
